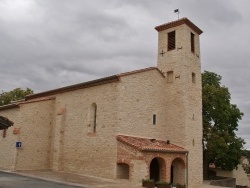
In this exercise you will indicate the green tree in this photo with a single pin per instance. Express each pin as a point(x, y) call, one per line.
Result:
point(246, 153)
point(14, 95)
point(221, 146)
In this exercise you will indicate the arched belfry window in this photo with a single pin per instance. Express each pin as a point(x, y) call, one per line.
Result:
point(171, 40)
point(92, 118)
point(192, 38)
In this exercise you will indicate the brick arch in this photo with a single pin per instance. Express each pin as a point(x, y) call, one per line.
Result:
point(157, 165)
point(120, 169)
point(181, 160)
point(125, 161)
point(178, 170)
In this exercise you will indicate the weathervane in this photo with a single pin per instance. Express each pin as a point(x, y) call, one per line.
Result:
point(177, 12)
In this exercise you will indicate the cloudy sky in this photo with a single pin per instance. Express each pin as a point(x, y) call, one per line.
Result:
point(46, 44)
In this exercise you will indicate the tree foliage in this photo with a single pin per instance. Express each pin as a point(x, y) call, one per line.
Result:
point(221, 146)
point(14, 95)
point(246, 153)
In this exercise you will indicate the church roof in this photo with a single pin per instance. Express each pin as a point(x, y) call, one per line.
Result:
point(177, 23)
point(5, 123)
point(147, 144)
point(100, 81)
point(16, 104)
point(140, 70)
point(105, 80)
point(9, 106)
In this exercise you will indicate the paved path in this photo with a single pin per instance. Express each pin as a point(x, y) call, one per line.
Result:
point(71, 180)
point(8, 180)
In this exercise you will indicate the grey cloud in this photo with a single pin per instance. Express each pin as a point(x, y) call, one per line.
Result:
point(61, 43)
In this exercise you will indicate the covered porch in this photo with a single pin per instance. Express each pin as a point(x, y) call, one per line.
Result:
point(146, 158)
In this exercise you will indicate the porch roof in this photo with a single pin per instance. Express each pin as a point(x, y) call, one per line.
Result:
point(5, 123)
point(149, 144)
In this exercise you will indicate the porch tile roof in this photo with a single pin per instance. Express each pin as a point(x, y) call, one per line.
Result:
point(5, 123)
point(149, 144)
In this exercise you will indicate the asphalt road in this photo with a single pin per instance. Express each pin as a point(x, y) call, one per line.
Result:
point(8, 180)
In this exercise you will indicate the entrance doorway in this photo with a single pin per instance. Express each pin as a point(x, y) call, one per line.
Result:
point(178, 171)
point(172, 175)
point(155, 170)
point(158, 169)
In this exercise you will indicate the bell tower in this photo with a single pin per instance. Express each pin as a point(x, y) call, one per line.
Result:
point(179, 60)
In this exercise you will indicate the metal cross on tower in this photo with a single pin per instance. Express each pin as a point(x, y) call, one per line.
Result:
point(162, 53)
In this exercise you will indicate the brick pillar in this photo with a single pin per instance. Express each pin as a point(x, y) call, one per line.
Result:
point(58, 141)
point(168, 171)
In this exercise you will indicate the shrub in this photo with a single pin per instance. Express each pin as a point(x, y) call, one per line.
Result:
point(162, 182)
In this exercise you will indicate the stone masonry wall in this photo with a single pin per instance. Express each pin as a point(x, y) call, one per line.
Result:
point(184, 105)
point(8, 144)
point(82, 150)
point(239, 174)
point(140, 96)
point(35, 123)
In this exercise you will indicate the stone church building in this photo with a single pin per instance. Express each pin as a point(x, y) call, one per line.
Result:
point(141, 124)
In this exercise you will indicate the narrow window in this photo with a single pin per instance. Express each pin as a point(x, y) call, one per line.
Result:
point(4, 133)
point(170, 76)
point(154, 119)
point(171, 40)
point(193, 78)
point(192, 42)
point(94, 128)
point(93, 113)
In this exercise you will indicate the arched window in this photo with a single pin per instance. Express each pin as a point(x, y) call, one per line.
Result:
point(157, 169)
point(92, 118)
point(192, 42)
point(193, 78)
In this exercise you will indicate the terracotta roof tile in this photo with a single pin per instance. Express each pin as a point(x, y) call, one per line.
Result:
point(8, 106)
point(74, 87)
point(5, 123)
point(105, 80)
point(177, 23)
point(38, 100)
point(139, 71)
point(147, 144)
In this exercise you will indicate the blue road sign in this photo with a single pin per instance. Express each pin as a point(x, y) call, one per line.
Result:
point(18, 144)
